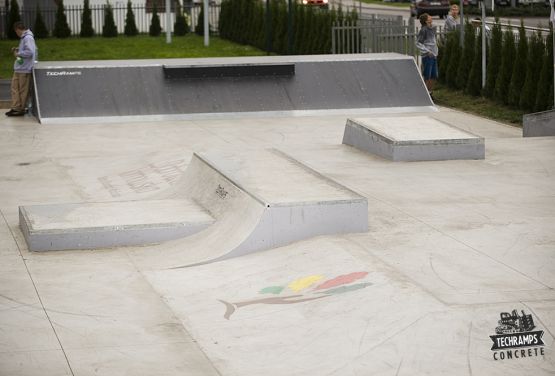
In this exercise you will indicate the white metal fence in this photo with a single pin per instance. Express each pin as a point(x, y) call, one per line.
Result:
point(143, 17)
point(375, 36)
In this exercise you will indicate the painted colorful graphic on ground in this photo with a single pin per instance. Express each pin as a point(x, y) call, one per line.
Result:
point(304, 289)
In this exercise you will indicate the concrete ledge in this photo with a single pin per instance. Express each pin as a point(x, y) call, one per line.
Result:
point(417, 138)
point(539, 124)
point(109, 224)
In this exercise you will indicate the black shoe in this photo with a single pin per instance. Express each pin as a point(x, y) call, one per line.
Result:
point(15, 113)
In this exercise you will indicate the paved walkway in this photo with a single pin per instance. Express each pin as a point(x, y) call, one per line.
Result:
point(451, 245)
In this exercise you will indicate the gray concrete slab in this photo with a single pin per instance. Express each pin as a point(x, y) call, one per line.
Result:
point(417, 138)
point(93, 225)
point(451, 245)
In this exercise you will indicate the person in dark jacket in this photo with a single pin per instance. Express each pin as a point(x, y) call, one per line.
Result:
point(426, 43)
point(23, 69)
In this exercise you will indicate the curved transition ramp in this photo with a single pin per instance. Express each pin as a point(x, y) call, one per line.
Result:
point(258, 200)
point(187, 88)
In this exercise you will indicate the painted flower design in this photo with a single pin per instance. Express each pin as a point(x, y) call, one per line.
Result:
point(304, 289)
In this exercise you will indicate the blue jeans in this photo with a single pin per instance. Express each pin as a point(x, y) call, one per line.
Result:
point(429, 67)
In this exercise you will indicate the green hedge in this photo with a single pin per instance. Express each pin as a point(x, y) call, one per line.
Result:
point(519, 74)
point(244, 21)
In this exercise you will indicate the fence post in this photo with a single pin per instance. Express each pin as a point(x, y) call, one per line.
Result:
point(333, 39)
point(168, 22)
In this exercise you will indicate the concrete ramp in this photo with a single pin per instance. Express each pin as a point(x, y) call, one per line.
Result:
point(78, 91)
point(414, 138)
point(263, 200)
point(258, 200)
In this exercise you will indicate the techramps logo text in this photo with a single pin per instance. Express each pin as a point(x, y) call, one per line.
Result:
point(303, 290)
point(515, 337)
point(63, 73)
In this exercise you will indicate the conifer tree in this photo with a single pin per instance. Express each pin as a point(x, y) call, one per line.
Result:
point(454, 61)
point(474, 83)
point(180, 26)
point(544, 95)
point(222, 20)
point(155, 29)
point(309, 30)
point(503, 80)
point(519, 68)
point(325, 44)
point(442, 59)
point(448, 47)
point(241, 20)
point(319, 25)
point(86, 21)
point(494, 59)
point(199, 28)
point(234, 27)
point(279, 22)
point(109, 30)
point(39, 29)
point(61, 27)
point(252, 28)
point(299, 27)
point(13, 17)
point(130, 29)
point(259, 27)
point(467, 56)
point(536, 52)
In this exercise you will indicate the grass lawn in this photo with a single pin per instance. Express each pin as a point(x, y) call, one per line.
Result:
point(122, 47)
point(477, 105)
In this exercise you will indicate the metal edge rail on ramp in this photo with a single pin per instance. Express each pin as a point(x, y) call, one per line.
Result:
point(252, 210)
point(172, 89)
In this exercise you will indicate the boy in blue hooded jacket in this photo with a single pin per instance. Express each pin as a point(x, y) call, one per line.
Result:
point(23, 69)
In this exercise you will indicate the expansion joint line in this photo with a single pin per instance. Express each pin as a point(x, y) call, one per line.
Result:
point(37, 291)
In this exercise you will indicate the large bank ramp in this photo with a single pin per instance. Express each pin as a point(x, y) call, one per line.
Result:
point(118, 90)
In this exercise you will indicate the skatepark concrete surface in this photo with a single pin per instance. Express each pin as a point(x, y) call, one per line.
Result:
point(450, 246)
